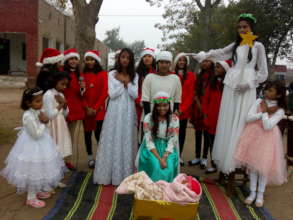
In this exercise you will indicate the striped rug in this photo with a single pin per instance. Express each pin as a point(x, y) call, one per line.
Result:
point(84, 200)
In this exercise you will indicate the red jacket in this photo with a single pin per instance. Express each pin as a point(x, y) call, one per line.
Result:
point(212, 103)
point(187, 95)
point(95, 97)
point(74, 99)
point(196, 114)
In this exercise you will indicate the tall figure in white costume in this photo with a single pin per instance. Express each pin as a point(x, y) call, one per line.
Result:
point(249, 69)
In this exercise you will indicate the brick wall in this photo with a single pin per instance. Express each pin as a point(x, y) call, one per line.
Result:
point(22, 16)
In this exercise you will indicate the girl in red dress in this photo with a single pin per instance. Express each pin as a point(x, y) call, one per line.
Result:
point(96, 93)
point(73, 94)
point(212, 102)
point(187, 79)
point(207, 71)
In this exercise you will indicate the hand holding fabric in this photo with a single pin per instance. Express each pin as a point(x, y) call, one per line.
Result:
point(242, 87)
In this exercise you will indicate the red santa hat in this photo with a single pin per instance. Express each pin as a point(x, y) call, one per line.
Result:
point(93, 54)
point(70, 53)
point(225, 64)
point(50, 56)
point(179, 56)
point(147, 51)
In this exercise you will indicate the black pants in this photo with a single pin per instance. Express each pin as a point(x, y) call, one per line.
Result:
point(209, 138)
point(88, 137)
point(198, 143)
point(182, 134)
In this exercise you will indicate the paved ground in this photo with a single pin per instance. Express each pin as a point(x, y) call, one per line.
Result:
point(279, 200)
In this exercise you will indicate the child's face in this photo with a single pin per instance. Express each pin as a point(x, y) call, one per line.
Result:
point(61, 85)
point(37, 102)
point(182, 62)
point(90, 62)
point(124, 59)
point(147, 60)
point(206, 64)
point(219, 70)
point(243, 27)
point(164, 66)
point(271, 93)
point(163, 108)
point(73, 62)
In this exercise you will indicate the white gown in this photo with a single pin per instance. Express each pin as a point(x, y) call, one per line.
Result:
point(58, 126)
point(118, 144)
point(235, 105)
point(33, 163)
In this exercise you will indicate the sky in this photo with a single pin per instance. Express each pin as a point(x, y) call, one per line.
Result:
point(116, 13)
point(123, 14)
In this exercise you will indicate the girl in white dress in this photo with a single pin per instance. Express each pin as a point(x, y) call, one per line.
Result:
point(55, 107)
point(33, 164)
point(118, 142)
point(249, 69)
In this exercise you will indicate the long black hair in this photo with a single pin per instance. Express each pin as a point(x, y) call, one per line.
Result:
point(131, 67)
point(238, 40)
point(96, 69)
point(142, 70)
point(155, 120)
point(200, 80)
point(68, 69)
point(58, 76)
point(44, 77)
point(28, 96)
point(184, 69)
point(281, 91)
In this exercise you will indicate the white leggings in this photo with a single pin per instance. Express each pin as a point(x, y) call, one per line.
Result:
point(257, 181)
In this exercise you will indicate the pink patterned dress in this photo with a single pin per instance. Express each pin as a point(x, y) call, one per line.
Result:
point(260, 147)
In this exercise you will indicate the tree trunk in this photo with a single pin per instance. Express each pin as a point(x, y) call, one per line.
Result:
point(86, 18)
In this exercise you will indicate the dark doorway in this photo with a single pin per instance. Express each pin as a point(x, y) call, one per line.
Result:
point(4, 56)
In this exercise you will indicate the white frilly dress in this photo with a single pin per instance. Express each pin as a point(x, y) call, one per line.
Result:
point(118, 143)
point(33, 164)
point(58, 126)
point(235, 105)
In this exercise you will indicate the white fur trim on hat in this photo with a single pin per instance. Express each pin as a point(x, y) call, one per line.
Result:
point(161, 94)
point(179, 56)
point(164, 56)
point(93, 55)
point(53, 60)
point(224, 64)
point(69, 56)
point(147, 52)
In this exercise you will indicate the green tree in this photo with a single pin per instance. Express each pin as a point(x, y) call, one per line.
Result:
point(85, 18)
point(115, 42)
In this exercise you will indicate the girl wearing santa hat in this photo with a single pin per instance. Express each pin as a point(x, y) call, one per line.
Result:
point(50, 62)
point(147, 64)
point(239, 94)
point(212, 102)
point(207, 67)
point(118, 143)
point(73, 93)
point(187, 79)
point(164, 81)
point(95, 95)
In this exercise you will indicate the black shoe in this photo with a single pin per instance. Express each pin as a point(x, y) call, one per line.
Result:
point(203, 164)
point(91, 164)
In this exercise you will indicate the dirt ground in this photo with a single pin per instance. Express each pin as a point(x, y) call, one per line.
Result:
point(278, 200)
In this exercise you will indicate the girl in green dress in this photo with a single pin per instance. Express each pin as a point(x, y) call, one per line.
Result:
point(158, 154)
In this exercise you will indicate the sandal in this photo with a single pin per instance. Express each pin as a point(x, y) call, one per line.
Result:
point(35, 203)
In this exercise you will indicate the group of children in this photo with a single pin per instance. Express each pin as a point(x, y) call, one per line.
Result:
point(220, 101)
